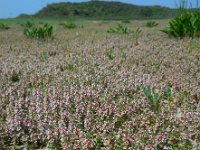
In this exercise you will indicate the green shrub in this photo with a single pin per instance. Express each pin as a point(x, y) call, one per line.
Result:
point(39, 32)
point(151, 24)
point(185, 24)
point(69, 25)
point(45, 32)
point(4, 26)
point(176, 27)
point(30, 32)
point(119, 29)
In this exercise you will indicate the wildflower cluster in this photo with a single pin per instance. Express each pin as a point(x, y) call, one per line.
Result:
point(98, 91)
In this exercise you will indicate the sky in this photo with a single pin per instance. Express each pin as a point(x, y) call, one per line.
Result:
point(12, 8)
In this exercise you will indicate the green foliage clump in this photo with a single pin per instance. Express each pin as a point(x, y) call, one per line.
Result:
point(28, 24)
point(151, 24)
point(119, 29)
point(4, 26)
point(39, 32)
point(154, 99)
point(69, 25)
point(185, 24)
point(166, 94)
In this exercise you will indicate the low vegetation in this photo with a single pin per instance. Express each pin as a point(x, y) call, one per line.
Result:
point(185, 24)
point(99, 91)
point(151, 24)
point(89, 90)
point(119, 29)
point(4, 26)
point(132, 34)
point(69, 25)
point(136, 35)
point(28, 24)
point(37, 31)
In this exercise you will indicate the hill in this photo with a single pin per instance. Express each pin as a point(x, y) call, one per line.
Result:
point(104, 10)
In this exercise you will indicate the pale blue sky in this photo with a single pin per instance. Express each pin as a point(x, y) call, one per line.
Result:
point(12, 8)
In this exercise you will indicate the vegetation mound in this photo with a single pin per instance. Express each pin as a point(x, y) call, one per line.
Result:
point(104, 10)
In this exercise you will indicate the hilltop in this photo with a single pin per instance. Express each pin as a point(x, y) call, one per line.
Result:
point(104, 10)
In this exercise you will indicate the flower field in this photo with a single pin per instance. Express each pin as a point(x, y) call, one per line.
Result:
point(86, 89)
